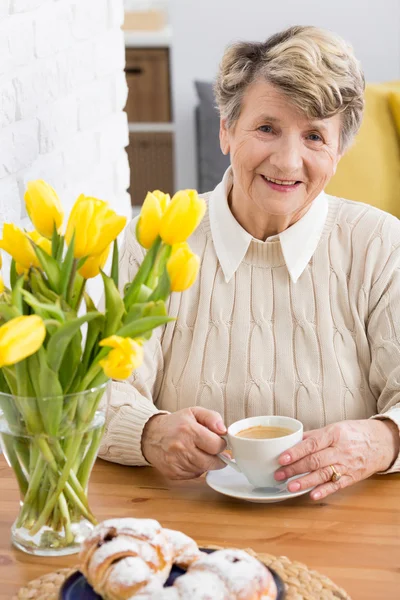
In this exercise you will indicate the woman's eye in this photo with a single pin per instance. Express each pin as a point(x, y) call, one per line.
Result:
point(265, 128)
point(315, 137)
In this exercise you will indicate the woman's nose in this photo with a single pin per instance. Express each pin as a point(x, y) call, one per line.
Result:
point(287, 158)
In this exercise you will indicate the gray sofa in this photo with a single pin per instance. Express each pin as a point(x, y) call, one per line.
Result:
point(211, 163)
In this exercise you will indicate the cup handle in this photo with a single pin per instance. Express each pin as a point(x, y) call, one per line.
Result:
point(225, 459)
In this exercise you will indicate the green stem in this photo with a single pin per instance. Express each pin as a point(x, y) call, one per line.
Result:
point(80, 295)
point(11, 455)
point(35, 485)
point(70, 287)
point(66, 519)
point(61, 484)
point(94, 370)
point(87, 464)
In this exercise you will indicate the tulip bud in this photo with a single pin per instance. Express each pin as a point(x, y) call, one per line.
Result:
point(127, 355)
point(148, 226)
point(95, 225)
point(183, 267)
point(91, 267)
point(40, 241)
point(16, 243)
point(43, 207)
point(182, 216)
point(19, 338)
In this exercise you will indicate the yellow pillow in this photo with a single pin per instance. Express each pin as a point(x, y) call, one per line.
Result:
point(370, 170)
point(394, 103)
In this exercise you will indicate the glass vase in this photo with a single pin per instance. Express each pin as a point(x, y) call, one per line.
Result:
point(51, 445)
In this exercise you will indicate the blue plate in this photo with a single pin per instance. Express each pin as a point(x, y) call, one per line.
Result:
point(77, 588)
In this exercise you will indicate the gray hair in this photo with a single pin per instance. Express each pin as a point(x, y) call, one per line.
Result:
point(313, 67)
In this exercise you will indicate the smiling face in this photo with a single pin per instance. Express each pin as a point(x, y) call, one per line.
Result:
point(281, 159)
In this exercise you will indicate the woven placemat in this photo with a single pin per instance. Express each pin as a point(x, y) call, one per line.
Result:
point(301, 582)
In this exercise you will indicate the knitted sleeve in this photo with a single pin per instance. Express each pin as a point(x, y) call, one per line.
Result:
point(130, 403)
point(383, 329)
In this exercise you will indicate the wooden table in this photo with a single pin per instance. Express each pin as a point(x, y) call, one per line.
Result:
point(353, 536)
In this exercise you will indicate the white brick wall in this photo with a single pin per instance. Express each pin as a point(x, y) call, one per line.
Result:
point(62, 94)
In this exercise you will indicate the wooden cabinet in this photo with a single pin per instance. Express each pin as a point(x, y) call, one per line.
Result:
point(151, 152)
point(152, 166)
point(147, 74)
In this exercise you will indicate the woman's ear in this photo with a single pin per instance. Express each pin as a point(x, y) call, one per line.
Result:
point(224, 137)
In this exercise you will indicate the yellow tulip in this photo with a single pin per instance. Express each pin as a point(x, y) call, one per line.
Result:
point(127, 355)
point(182, 216)
point(95, 224)
point(1, 260)
point(19, 338)
point(183, 267)
point(2, 286)
point(148, 226)
point(43, 207)
point(16, 243)
point(40, 241)
point(93, 264)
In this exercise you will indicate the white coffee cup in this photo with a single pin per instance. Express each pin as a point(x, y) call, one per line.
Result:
point(257, 459)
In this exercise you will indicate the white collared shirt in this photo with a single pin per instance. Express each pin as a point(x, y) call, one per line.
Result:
point(231, 241)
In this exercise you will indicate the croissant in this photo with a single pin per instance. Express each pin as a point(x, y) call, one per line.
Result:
point(229, 574)
point(121, 556)
point(130, 559)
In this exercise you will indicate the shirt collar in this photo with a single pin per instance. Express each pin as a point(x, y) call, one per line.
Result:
point(231, 241)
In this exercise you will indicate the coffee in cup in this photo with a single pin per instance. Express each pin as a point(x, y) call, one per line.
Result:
point(262, 432)
point(256, 444)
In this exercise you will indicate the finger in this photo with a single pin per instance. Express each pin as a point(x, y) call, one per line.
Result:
point(323, 475)
point(321, 438)
point(209, 418)
point(312, 462)
point(206, 440)
point(200, 462)
point(322, 491)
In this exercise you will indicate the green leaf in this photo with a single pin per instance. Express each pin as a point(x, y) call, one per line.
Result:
point(55, 242)
point(156, 309)
point(142, 274)
point(143, 294)
point(93, 333)
point(59, 341)
point(50, 267)
point(81, 262)
point(11, 378)
point(71, 362)
point(44, 310)
point(135, 312)
point(16, 295)
point(140, 326)
point(163, 288)
point(4, 387)
point(60, 249)
point(8, 312)
point(40, 285)
point(114, 265)
point(48, 390)
point(146, 309)
point(77, 291)
point(66, 268)
point(115, 307)
point(13, 273)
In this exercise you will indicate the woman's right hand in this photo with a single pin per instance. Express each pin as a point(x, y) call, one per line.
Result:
point(184, 444)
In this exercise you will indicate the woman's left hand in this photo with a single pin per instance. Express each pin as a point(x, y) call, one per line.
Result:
point(356, 450)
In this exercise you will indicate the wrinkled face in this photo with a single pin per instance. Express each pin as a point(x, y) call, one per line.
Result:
point(281, 160)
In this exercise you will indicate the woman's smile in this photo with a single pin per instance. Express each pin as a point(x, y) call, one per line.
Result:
point(282, 186)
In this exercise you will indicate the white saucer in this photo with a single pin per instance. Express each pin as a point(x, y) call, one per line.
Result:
point(231, 483)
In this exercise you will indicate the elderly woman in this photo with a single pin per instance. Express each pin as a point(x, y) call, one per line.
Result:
point(296, 310)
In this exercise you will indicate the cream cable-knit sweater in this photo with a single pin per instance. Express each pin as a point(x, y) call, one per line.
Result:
point(324, 349)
